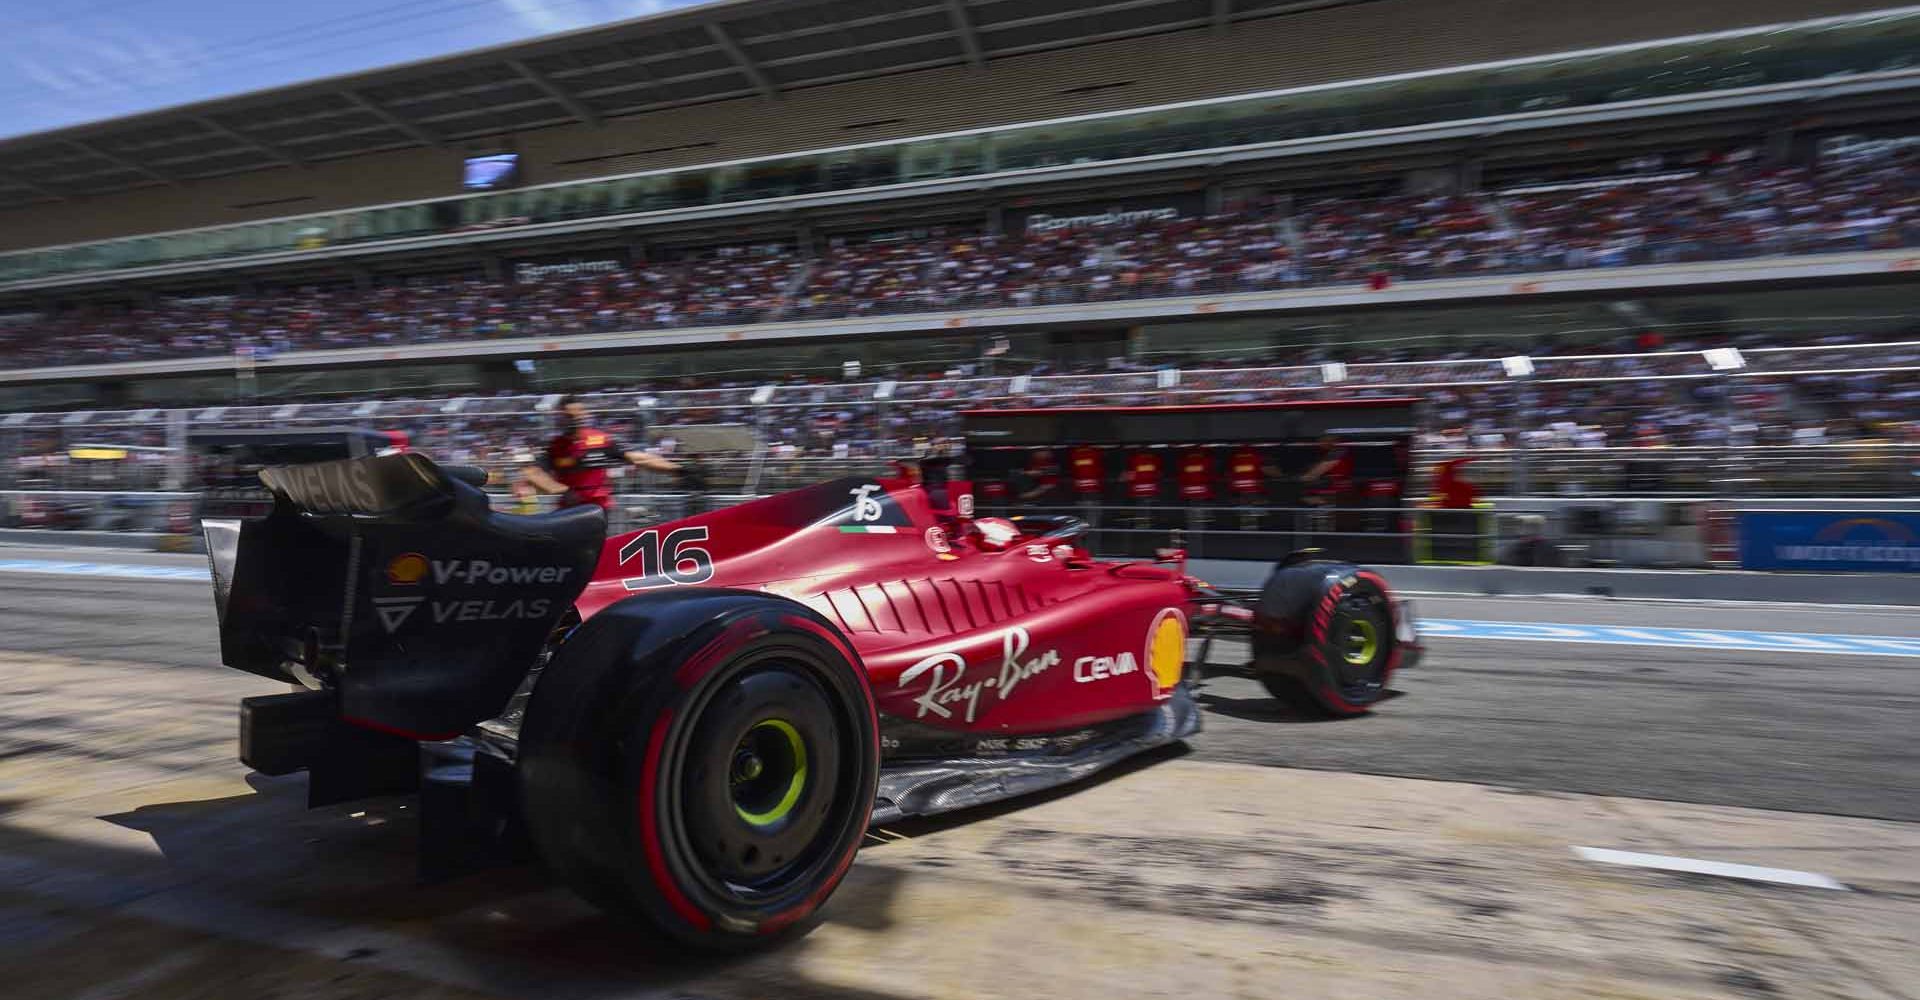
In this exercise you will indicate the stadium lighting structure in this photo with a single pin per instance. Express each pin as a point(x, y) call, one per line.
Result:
point(849, 369)
point(1517, 366)
point(1724, 359)
point(1333, 372)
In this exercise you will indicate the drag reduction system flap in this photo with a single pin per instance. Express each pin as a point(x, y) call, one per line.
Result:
point(393, 583)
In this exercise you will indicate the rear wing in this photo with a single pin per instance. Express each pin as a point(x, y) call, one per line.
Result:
point(390, 581)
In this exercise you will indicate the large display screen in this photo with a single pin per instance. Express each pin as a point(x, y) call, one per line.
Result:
point(490, 173)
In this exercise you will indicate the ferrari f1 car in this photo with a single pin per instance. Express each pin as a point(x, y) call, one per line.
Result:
point(696, 722)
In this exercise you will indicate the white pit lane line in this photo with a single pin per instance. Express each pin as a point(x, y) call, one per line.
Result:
point(1725, 640)
point(115, 571)
point(1698, 866)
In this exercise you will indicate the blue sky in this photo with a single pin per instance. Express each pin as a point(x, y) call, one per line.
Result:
point(63, 62)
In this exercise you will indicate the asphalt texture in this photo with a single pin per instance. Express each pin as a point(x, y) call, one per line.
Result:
point(1806, 732)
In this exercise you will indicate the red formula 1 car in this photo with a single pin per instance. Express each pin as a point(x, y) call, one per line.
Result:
point(697, 721)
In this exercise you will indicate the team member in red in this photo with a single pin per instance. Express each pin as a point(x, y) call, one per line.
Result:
point(576, 462)
point(1088, 472)
point(1331, 476)
point(1143, 475)
point(1042, 477)
point(1245, 478)
point(1196, 476)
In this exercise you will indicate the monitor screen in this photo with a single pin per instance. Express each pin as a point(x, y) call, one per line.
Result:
point(488, 173)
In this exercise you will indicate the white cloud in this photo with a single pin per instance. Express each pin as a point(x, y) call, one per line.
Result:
point(110, 57)
point(547, 16)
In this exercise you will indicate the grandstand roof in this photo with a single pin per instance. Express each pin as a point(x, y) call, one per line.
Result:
point(717, 51)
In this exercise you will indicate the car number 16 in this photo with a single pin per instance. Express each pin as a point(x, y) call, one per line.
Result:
point(674, 562)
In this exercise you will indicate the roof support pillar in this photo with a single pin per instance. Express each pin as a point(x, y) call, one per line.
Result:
point(560, 95)
point(963, 30)
point(741, 59)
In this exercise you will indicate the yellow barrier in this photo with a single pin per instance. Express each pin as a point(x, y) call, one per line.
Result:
point(1476, 551)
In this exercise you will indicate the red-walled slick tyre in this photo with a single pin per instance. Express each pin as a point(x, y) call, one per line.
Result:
point(1324, 637)
point(704, 759)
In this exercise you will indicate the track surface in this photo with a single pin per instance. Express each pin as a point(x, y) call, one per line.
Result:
point(1793, 731)
point(1278, 857)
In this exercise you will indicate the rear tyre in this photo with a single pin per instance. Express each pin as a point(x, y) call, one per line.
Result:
point(1324, 638)
point(705, 760)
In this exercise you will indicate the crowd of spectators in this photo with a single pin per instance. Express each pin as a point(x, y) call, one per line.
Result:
point(1729, 208)
point(1632, 391)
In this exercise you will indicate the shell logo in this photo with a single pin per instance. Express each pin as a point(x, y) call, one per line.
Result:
point(407, 569)
point(1166, 651)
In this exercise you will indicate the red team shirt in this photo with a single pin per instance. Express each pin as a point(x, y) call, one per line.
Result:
point(1196, 475)
point(579, 460)
point(1143, 475)
point(1045, 472)
point(1339, 476)
point(1244, 477)
point(1087, 470)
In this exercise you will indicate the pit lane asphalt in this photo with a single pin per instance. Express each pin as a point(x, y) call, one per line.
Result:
point(1805, 732)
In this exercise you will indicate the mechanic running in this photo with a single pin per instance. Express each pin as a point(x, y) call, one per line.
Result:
point(576, 462)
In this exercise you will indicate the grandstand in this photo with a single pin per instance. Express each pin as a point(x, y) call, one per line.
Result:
point(981, 200)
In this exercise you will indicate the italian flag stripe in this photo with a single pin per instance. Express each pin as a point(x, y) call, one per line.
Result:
point(869, 529)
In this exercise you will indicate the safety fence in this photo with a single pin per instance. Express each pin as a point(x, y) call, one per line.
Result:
point(1727, 422)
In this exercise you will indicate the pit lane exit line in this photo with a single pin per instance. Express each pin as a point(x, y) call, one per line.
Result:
point(124, 571)
point(1689, 638)
point(1430, 628)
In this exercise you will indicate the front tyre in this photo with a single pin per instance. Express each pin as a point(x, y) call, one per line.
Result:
point(1324, 637)
point(706, 760)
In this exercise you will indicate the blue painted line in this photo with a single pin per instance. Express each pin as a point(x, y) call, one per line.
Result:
point(1686, 638)
point(121, 571)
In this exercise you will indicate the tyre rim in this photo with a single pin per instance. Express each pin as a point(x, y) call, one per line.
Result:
point(769, 772)
point(1363, 642)
point(764, 780)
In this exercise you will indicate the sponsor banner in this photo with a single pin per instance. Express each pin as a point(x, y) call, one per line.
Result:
point(1830, 542)
point(1096, 216)
point(528, 272)
point(1855, 148)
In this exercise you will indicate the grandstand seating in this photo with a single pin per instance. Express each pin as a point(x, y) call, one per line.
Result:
point(1733, 207)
